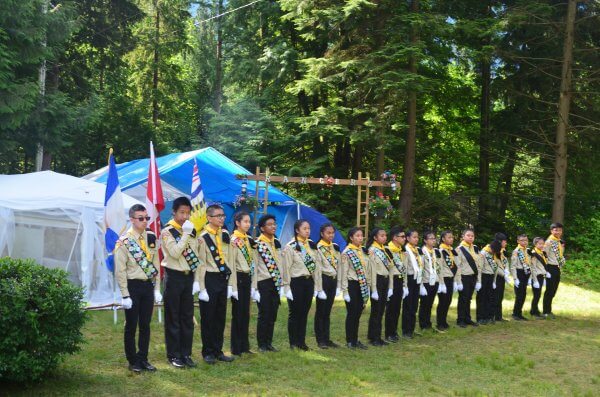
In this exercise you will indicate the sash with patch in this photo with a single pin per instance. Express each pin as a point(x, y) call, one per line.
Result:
point(470, 259)
point(442, 253)
point(399, 264)
point(490, 260)
point(245, 252)
point(521, 257)
point(188, 254)
point(360, 274)
point(269, 260)
point(214, 252)
point(556, 251)
point(383, 256)
point(139, 256)
point(308, 260)
point(333, 261)
point(542, 258)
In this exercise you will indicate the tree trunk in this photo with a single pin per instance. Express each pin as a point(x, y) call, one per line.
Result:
point(218, 96)
point(564, 105)
point(357, 160)
point(408, 175)
point(484, 146)
point(155, 66)
point(506, 180)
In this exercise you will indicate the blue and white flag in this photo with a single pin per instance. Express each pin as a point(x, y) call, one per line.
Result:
point(115, 220)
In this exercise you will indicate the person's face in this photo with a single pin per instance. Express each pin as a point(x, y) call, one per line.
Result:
point(182, 214)
point(448, 239)
point(540, 245)
point(304, 230)
point(244, 225)
point(413, 239)
point(357, 238)
point(399, 239)
point(557, 232)
point(328, 234)
point(217, 218)
point(469, 237)
point(430, 240)
point(139, 221)
point(504, 243)
point(269, 228)
point(523, 242)
point(381, 237)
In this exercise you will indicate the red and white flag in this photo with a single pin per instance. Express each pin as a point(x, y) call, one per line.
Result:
point(155, 202)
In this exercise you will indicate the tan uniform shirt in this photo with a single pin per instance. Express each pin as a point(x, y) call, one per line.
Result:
point(463, 264)
point(331, 258)
point(412, 269)
point(208, 262)
point(295, 267)
point(126, 268)
point(347, 272)
point(261, 272)
point(553, 258)
point(173, 251)
point(537, 266)
point(237, 261)
point(515, 262)
point(398, 257)
point(379, 268)
point(429, 267)
point(445, 270)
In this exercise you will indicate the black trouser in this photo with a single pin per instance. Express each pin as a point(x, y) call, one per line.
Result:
point(240, 315)
point(551, 287)
point(303, 289)
point(141, 293)
point(485, 298)
point(409, 306)
point(426, 304)
point(323, 313)
point(444, 301)
point(537, 293)
point(179, 313)
point(498, 297)
point(520, 292)
point(213, 314)
point(378, 308)
point(354, 310)
point(392, 309)
point(464, 299)
point(267, 312)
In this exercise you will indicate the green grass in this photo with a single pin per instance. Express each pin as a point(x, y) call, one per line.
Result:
point(543, 357)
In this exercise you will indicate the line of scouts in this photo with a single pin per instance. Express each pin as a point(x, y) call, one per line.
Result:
point(398, 276)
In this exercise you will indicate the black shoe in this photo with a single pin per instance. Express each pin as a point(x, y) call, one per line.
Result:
point(323, 346)
point(360, 345)
point(210, 359)
point(462, 325)
point(224, 358)
point(443, 327)
point(293, 347)
point(407, 336)
point(332, 344)
point(484, 322)
point(391, 339)
point(383, 343)
point(303, 347)
point(177, 362)
point(147, 366)
point(375, 343)
point(538, 316)
point(416, 333)
point(189, 362)
point(263, 349)
point(516, 317)
point(549, 316)
point(351, 345)
point(501, 320)
point(248, 352)
point(271, 348)
point(136, 367)
point(439, 331)
point(472, 323)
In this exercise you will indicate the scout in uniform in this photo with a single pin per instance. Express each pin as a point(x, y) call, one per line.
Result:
point(539, 264)
point(414, 270)
point(216, 283)
point(302, 273)
point(520, 269)
point(180, 249)
point(469, 264)
point(430, 281)
point(267, 282)
point(400, 288)
point(491, 262)
point(136, 271)
point(330, 281)
point(354, 276)
point(381, 284)
point(449, 276)
point(556, 260)
point(502, 278)
point(241, 260)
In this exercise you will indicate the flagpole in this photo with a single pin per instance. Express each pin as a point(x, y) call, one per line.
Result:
point(114, 276)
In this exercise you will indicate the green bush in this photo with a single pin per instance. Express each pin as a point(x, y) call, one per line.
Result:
point(584, 272)
point(41, 317)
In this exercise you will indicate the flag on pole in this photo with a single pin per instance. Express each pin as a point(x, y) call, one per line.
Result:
point(115, 220)
point(198, 216)
point(155, 201)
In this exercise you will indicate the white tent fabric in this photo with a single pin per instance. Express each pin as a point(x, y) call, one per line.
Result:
point(58, 220)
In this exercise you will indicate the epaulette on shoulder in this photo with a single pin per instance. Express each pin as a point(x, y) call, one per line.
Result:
point(225, 236)
point(151, 238)
point(476, 249)
point(312, 244)
point(438, 254)
point(336, 247)
point(454, 252)
point(252, 242)
point(420, 250)
point(365, 250)
point(277, 243)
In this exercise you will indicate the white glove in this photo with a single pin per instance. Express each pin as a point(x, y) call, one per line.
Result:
point(529, 281)
point(460, 287)
point(281, 292)
point(375, 295)
point(517, 282)
point(347, 298)
point(315, 293)
point(390, 293)
point(235, 295)
point(289, 295)
point(432, 280)
point(203, 296)
point(439, 291)
point(255, 295)
point(338, 292)
point(157, 297)
point(322, 295)
point(548, 275)
point(477, 286)
point(506, 273)
point(509, 280)
point(195, 288)
point(536, 284)
point(455, 285)
point(494, 285)
point(422, 290)
point(404, 292)
point(544, 283)
point(126, 303)
point(187, 227)
point(229, 291)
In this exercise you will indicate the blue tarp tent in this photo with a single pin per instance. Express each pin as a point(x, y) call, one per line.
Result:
point(219, 183)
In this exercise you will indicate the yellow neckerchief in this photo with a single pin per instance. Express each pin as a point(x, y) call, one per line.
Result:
point(271, 242)
point(395, 249)
point(525, 254)
point(328, 249)
point(359, 252)
point(468, 246)
point(139, 238)
point(448, 248)
point(416, 253)
point(244, 237)
point(560, 250)
point(381, 247)
point(304, 242)
point(541, 254)
point(325, 243)
point(176, 225)
point(488, 249)
point(502, 251)
point(218, 236)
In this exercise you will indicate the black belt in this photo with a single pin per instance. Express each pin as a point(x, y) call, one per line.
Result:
point(181, 272)
point(302, 277)
point(327, 275)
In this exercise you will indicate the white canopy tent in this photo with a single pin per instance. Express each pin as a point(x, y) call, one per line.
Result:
point(58, 220)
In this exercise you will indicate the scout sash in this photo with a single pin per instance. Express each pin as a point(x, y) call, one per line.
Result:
point(490, 260)
point(399, 264)
point(469, 258)
point(433, 272)
point(269, 260)
point(333, 261)
point(360, 274)
point(308, 260)
point(557, 251)
point(188, 254)
point(449, 260)
point(214, 252)
point(241, 244)
point(139, 256)
point(382, 255)
point(523, 261)
point(415, 264)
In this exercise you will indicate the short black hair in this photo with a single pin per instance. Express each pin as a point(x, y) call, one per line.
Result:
point(496, 247)
point(262, 221)
point(135, 208)
point(325, 226)
point(238, 217)
point(410, 232)
point(500, 237)
point(467, 230)
point(180, 201)
point(556, 225)
point(394, 231)
point(444, 234)
point(212, 208)
point(520, 236)
point(428, 233)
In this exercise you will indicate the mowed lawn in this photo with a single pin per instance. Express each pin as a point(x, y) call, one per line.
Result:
point(538, 357)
